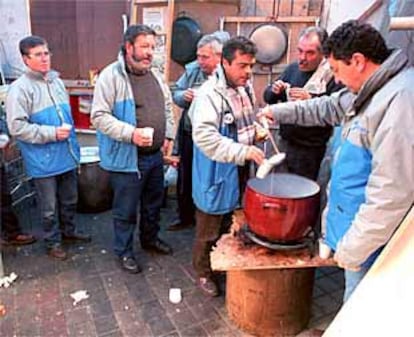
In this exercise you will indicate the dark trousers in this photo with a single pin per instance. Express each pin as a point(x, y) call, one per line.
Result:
point(141, 191)
point(186, 208)
point(304, 161)
point(209, 228)
point(9, 222)
point(58, 197)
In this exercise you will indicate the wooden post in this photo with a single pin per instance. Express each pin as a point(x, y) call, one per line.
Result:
point(169, 40)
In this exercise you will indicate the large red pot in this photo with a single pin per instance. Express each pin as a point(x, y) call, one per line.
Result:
point(282, 206)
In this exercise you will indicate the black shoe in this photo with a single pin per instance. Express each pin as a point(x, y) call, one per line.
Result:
point(76, 237)
point(130, 265)
point(57, 253)
point(208, 286)
point(157, 246)
point(178, 226)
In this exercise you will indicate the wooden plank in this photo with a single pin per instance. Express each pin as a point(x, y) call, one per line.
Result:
point(382, 303)
point(283, 8)
point(315, 7)
point(231, 253)
point(262, 19)
point(300, 8)
point(263, 8)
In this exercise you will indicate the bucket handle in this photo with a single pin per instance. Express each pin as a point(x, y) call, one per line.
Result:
point(276, 206)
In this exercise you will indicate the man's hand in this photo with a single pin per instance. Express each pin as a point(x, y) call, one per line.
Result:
point(189, 95)
point(266, 113)
point(62, 133)
point(140, 138)
point(298, 94)
point(344, 266)
point(279, 86)
point(166, 147)
point(255, 154)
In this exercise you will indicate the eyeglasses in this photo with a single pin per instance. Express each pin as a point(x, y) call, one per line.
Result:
point(39, 55)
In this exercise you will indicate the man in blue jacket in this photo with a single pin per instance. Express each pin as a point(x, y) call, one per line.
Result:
point(39, 117)
point(372, 180)
point(222, 117)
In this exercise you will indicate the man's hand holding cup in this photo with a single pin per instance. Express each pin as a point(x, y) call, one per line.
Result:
point(143, 136)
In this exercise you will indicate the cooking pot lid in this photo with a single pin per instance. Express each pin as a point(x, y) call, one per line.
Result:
point(271, 43)
point(284, 185)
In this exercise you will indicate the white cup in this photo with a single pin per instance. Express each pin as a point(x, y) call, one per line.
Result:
point(287, 91)
point(324, 250)
point(66, 126)
point(175, 295)
point(148, 132)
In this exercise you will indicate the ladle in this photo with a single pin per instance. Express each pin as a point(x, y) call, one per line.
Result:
point(274, 160)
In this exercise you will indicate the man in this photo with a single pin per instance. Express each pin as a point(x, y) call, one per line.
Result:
point(129, 99)
point(39, 117)
point(11, 231)
point(304, 146)
point(208, 57)
point(372, 181)
point(222, 117)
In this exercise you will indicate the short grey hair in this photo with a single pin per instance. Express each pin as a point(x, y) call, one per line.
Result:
point(214, 40)
point(318, 31)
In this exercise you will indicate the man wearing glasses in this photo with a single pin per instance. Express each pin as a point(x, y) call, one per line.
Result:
point(39, 117)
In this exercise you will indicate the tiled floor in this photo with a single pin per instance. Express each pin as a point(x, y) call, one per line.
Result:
point(120, 304)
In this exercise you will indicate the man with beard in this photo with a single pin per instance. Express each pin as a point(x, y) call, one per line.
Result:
point(131, 98)
point(304, 146)
point(222, 117)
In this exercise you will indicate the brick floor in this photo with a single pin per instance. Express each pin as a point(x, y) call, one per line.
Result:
point(121, 304)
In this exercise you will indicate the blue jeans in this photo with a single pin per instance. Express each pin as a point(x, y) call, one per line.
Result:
point(352, 279)
point(133, 191)
point(58, 197)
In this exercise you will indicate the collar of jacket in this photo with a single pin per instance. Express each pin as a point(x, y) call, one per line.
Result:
point(392, 65)
point(49, 77)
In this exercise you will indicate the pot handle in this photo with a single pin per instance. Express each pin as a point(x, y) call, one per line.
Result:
point(279, 207)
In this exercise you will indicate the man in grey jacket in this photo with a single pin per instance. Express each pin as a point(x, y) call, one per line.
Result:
point(131, 98)
point(39, 117)
point(372, 181)
point(208, 57)
point(222, 117)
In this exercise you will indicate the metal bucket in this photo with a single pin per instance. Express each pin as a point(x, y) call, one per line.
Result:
point(94, 190)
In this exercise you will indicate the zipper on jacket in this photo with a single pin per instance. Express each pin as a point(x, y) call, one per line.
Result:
point(62, 120)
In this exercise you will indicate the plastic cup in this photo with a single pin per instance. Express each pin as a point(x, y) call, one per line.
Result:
point(148, 132)
point(175, 295)
point(324, 250)
point(66, 126)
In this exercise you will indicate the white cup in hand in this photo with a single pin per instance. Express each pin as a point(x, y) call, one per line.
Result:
point(149, 133)
point(66, 126)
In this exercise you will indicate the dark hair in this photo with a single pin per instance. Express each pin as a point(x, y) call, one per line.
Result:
point(30, 42)
point(135, 30)
point(238, 43)
point(318, 31)
point(355, 37)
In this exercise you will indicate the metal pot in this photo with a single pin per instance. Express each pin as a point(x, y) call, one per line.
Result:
point(281, 207)
point(271, 42)
point(94, 190)
point(185, 34)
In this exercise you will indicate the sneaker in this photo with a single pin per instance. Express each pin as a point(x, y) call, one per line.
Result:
point(21, 239)
point(76, 237)
point(57, 252)
point(129, 264)
point(208, 286)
